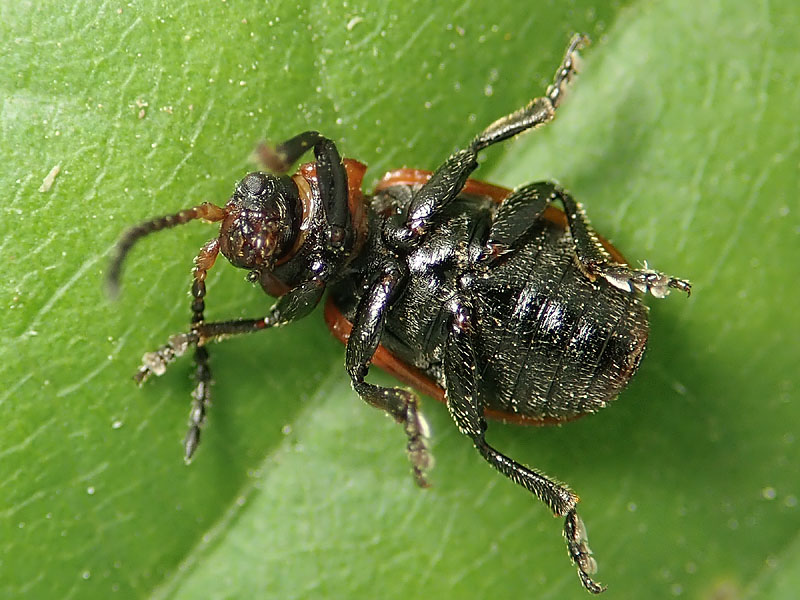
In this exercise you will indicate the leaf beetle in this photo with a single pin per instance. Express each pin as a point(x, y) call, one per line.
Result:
point(490, 300)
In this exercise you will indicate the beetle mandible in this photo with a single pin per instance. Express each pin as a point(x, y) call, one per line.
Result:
point(491, 300)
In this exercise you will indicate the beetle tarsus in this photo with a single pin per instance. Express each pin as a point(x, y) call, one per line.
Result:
point(156, 363)
point(644, 280)
point(569, 67)
point(418, 432)
point(579, 551)
point(680, 284)
point(201, 399)
point(403, 406)
point(190, 443)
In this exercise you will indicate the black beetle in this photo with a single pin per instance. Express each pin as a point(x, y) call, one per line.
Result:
point(491, 300)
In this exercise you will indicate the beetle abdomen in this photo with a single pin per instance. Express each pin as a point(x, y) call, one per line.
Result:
point(560, 344)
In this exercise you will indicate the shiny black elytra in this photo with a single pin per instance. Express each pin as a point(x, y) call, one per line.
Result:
point(491, 300)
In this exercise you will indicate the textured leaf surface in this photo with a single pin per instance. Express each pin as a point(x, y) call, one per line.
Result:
point(681, 139)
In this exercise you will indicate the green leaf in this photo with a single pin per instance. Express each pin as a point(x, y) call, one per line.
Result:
point(681, 139)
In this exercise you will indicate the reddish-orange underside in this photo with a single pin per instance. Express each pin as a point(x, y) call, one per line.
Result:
point(385, 360)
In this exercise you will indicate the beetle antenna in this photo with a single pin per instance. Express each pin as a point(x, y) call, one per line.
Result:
point(206, 211)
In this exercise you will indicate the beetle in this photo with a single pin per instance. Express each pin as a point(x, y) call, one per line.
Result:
point(491, 300)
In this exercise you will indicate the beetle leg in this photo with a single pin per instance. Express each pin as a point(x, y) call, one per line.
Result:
point(461, 368)
point(520, 211)
point(295, 304)
point(292, 306)
point(595, 261)
point(280, 158)
point(449, 179)
point(331, 177)
point(332, 181)
point(516, 215)
point(401, 404)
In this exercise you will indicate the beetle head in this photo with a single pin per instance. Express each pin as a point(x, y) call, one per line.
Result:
point(262, 221)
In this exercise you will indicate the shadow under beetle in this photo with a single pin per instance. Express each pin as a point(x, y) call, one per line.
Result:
point(491, 300)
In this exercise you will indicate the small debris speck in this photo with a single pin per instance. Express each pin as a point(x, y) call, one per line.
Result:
point(353, 22)
point(142, 106)
point(49, 179)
